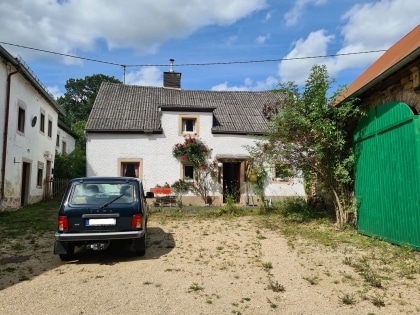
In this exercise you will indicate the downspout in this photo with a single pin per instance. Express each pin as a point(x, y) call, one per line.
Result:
point(6, 132)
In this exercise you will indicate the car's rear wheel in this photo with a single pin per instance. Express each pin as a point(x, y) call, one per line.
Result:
point(70, 253)
point(139, 246)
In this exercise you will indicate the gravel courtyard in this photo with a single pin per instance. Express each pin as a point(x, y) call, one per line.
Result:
point(202, 266)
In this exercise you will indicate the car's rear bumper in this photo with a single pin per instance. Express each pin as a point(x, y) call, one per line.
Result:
point(103, 236)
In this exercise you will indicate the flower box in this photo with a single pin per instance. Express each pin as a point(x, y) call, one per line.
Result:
point(161, 190)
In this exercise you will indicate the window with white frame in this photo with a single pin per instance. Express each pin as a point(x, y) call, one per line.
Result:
point(282, 171)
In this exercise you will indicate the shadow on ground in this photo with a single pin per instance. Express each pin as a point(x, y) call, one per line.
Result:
point(17, 267)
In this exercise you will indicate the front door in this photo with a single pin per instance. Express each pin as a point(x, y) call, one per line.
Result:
point(231, 181)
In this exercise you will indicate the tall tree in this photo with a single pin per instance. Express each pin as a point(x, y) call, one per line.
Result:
point(80, 96)
point(308, 131)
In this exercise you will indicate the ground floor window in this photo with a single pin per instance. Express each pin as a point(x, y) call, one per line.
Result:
point(40, 174)
point(188, 172)
point(130, 168)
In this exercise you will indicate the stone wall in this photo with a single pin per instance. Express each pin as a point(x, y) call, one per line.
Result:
point(404, 86)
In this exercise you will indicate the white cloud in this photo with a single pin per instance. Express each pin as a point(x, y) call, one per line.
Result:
point(262, 39)
point(54, 91)
point(297, 70)
point(248, 85)
point(78, 25)
point(293, 15)
point(146, 76)
point(371, 26)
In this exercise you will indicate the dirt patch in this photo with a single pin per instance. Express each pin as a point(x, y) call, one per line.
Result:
point(204, 266)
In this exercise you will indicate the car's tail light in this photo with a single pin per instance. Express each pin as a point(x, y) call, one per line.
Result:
point(136, 222)
point(63, 224)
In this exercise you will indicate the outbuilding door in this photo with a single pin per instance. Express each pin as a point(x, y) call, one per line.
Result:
point(387, 174)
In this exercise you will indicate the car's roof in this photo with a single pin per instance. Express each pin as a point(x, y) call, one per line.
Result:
point(97, 179)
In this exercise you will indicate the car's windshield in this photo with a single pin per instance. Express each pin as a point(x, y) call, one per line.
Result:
point(100, 193)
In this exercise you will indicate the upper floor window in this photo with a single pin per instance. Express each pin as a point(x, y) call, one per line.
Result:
point(21, 120)
point(57, 141)
point(64, 147)
point(42, 123)
point(49, 128)
point(188, 125)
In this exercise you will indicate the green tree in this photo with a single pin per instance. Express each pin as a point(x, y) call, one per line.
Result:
point(77, 102)
point(308, 131)
point(80, 95)
point(70, 165)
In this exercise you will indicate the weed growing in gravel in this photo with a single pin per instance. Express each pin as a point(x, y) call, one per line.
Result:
point(348, 299)
point(313, 280)
point(276, 287)
point(378, 300)
point(196, 287)
point(267, 265)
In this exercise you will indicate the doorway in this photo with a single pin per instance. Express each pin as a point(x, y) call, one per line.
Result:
point(231, 181)
point(24, 190)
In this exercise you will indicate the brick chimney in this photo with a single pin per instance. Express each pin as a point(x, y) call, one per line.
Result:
point(171, 79)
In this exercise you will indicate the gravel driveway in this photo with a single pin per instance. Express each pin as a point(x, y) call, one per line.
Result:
point(196, 266)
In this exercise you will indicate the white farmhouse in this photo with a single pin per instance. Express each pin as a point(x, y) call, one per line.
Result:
point(28, 125)
point(131, 131)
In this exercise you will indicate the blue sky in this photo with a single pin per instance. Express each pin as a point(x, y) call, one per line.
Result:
point(140, 33)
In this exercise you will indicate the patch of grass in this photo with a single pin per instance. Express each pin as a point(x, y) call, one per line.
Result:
point(196, 287)
point(378, 300)
point(348, 299)
point(267, 265)
point(313, 280)
point(276, 287)
point(29, 220)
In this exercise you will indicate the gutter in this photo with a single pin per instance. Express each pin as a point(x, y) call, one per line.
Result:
point(6, 131)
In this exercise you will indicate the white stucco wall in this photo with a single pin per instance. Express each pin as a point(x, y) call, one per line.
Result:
point(32, 146)
point(67, 138)
point(103, 151)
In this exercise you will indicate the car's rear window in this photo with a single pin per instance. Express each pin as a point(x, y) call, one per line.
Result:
point(99, 193)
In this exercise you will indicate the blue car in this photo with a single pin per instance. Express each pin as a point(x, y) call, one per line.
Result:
point(96, 211)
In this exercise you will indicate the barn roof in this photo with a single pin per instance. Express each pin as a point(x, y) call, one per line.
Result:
point(396, 57)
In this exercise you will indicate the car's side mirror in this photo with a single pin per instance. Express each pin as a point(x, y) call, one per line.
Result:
point(150, 194)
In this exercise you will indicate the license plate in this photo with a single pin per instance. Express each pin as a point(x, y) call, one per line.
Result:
point(97, 222)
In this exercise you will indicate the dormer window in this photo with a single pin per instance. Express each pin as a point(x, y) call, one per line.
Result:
point(188, 125)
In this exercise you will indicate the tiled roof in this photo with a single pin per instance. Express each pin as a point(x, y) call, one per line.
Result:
point(130, 108)
point(395, 57)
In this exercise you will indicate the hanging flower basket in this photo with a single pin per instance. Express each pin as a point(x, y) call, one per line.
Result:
point(252, 176)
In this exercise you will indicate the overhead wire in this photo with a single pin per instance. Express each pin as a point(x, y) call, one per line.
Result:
point(124, 66)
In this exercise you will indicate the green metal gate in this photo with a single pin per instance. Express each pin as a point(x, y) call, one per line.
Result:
point(387, 175)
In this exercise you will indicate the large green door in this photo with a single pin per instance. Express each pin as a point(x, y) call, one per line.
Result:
point(387, 186)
